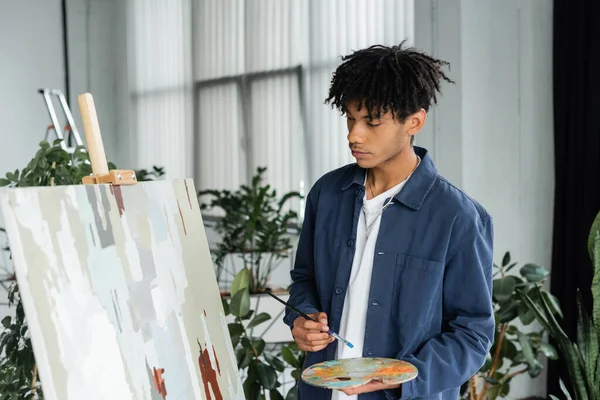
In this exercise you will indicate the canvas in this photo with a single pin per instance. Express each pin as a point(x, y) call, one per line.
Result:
point(120, 292)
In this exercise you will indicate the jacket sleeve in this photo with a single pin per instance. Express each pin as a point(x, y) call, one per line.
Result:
point(451, 358)
point(303, 292)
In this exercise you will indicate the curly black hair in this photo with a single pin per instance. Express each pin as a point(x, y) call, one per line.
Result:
point(382, 79)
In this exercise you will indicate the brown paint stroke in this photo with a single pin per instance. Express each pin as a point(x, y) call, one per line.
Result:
point(116, 191)
point(159, 382)
point(188, 194)
point(181, 215)
point(218, 365)
point(209, 375)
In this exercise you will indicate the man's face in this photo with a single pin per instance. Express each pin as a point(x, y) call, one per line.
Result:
point(375, 142)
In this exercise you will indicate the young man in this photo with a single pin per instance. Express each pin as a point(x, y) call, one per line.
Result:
point(392, 256)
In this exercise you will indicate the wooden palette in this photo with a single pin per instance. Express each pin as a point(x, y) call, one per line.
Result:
point(354, 372)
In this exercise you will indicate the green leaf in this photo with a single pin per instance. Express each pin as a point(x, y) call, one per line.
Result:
point(259, 319)
point(594, 230)
point(235, 328)
point(506, 259)
point(534, 273)
point(564, 389)
point(235, 332)
point(507, 312)
point(597, 378)
point(553, 303)
point(244, 357)
point(594, 240)
point(587, 341)
point(6, 322)
point(289, 358)
point(526, 315)
point(225, 306)
point(248, 315)
point(275, 362)
point(292, 393)
point(241, 281)
point(4, 182)
point(503, 288)
point(275, 395)
point(266, 375)
point(534, 366)
point(508, 350)
point(493, 392)
point(258, 345)
point(252, 371)
point(251, 389)
point(511, 266)
point(549, 351)
point(240, 303)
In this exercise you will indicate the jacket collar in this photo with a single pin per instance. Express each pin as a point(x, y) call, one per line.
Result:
point(416, 189)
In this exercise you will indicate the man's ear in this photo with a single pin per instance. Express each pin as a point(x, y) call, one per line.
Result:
point(415, 122)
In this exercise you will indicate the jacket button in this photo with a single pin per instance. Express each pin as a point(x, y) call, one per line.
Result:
point(338, 290)
point(369, 353)
point(357, 191)
point(350, 242)
point(374, 303)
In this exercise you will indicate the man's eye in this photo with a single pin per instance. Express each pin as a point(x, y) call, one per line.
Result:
point(372, 124)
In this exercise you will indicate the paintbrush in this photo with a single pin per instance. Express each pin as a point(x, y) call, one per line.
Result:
point(303, 315)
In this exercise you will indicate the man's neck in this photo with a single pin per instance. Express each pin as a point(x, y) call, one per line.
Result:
point(391, 173)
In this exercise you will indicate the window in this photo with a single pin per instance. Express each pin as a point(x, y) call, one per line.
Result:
point(241, 84)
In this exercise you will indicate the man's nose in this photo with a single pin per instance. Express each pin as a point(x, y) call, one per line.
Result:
point(356, 135)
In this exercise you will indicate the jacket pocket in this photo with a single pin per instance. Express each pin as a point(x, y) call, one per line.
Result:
point(417, 291)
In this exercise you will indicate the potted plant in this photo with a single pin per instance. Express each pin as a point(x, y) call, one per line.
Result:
point(254, 234)
point(261, 365)
point(253, 228)
point(513, 352)
point(583, 356)
point(51, 166)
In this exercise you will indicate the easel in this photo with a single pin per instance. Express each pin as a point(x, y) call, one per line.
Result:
point(93, 137)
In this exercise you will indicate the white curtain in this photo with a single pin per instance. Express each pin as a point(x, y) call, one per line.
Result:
point(160, 83)
point(261, 71)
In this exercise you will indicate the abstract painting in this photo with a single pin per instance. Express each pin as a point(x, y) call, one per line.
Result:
point(120, 293)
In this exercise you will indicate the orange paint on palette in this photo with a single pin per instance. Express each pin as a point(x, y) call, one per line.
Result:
point(355, 372)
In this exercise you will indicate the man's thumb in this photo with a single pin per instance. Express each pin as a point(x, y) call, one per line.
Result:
point(322, 317)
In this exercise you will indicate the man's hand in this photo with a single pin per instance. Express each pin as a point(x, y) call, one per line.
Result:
point(310, 335)
point(372, 386)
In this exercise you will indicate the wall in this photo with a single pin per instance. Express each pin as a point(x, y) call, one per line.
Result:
point(31, 46)
point(492, 132)
point(97, 64)
point(31, 57)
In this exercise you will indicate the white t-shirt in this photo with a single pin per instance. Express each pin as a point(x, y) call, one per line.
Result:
point(352, 326)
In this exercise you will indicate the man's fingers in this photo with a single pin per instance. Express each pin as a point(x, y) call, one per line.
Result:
point(322, 318)
point(317, 342)
point(311, 347)
point(316, 336)
point(314, 326)
point(310, 335)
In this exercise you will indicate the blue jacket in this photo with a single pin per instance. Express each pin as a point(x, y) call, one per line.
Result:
point(431, 287)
